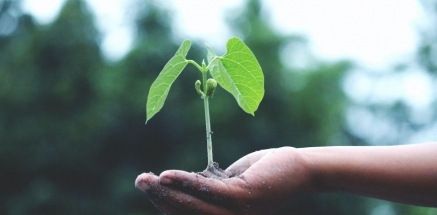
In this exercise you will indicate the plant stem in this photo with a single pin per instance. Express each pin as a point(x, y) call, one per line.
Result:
point(196, 65)
point(208, 123)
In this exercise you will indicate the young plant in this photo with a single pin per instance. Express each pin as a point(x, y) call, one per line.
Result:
point(238, 72)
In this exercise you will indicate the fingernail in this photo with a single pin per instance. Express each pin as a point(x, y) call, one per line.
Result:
point(165, 180)
point(142, 185)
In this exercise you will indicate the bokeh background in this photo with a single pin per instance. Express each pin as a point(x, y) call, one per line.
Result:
point(72, 133)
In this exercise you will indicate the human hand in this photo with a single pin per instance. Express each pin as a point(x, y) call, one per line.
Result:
point(263, 181)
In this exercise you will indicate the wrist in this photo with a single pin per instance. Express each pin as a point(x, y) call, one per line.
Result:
point(314, 165)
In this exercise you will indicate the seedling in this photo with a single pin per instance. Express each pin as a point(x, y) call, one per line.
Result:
point(238, 72)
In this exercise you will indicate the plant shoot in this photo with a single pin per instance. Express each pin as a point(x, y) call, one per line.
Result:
point(238, 72)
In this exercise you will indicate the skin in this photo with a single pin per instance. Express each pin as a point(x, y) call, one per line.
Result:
point(267, 179)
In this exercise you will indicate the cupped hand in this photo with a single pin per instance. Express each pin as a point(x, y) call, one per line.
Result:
point(262, 182)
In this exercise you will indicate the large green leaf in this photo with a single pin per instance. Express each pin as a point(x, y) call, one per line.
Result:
point(161, 86)
point(239, 73)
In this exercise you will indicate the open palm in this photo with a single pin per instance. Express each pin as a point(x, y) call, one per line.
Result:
point(263, 181)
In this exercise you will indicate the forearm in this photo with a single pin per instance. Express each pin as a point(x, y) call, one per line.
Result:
point(405, 173)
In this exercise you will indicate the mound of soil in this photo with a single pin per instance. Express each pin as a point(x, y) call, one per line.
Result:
point(214, 171)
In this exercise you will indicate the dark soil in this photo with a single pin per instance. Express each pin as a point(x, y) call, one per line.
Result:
point(214, 171)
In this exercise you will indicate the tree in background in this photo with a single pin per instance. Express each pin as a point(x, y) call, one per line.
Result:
point(50, 123)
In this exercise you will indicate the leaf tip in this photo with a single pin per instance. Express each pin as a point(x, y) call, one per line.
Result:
point(147, 119)
point(186, 41)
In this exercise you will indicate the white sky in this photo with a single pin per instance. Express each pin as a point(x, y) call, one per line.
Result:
point(374, 33)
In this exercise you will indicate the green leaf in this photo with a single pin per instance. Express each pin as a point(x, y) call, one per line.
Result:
point(161, 86)
point(239, 73)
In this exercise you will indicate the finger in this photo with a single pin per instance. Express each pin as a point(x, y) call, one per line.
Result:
point(149, 183)
point(212, 196)
point(159, 197)
point(171, 201)
point(212, 190)
point(188, 204)
point(145, 180)
point(241, 165)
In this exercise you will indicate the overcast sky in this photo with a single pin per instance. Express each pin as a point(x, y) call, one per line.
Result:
point(374, 33)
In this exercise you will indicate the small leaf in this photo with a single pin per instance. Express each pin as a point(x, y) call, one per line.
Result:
point(211, 84)
point(198, 90)
point(161, 86)
point(239, 73)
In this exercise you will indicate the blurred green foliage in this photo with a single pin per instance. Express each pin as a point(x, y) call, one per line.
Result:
point(72, 128)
